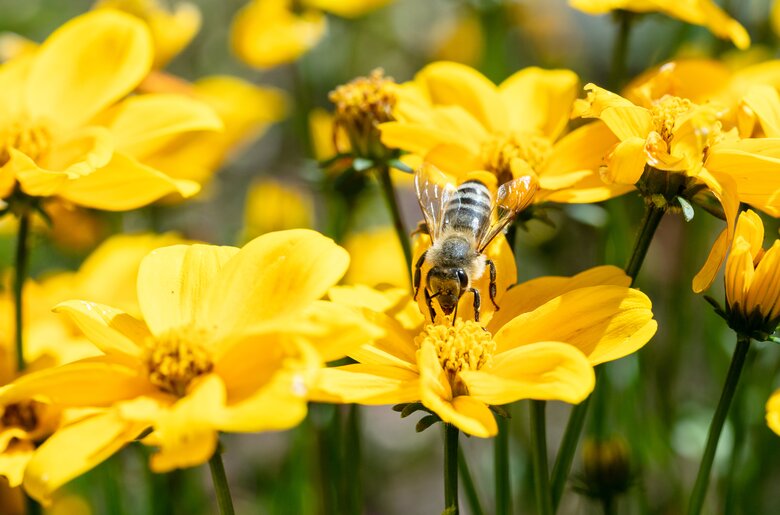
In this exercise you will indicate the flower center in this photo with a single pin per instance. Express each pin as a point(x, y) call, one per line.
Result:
point(23, 415)
point(463, 346)
point(498, 153)
point(32, 140)
point(175, 360)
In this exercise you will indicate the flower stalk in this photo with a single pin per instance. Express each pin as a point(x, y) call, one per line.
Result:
point(20, 274)
point(450, 469)
point(539, 444)
point(501, 462)
point(383, 171)
point(716, 426)
point(224, 501)
point(620, 50)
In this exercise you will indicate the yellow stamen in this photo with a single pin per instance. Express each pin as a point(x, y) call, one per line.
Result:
point(23, 415)
point(175, 360)
point(31, 140)
point(463, 346)
point(665, 112)
point(498, 153)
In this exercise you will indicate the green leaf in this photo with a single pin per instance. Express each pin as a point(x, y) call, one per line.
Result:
point(687, 208)
point(361, 164)
point(426, 422)
point(400, 165)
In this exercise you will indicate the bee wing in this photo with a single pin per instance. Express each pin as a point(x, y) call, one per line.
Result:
point(511, 198)
point(434, 191)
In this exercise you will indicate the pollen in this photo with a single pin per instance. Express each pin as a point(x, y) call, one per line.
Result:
point(665, 112)
point(498, 153)
point(463, 346)
point(175, 360)
point(32, 140)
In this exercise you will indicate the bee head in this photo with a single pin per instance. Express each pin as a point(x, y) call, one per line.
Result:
point(447, 285)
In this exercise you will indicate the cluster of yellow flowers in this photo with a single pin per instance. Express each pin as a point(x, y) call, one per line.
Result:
point(171, 342)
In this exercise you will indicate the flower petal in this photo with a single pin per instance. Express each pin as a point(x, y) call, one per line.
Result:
point(542, 371)
point(367, 384)
point(529, 295)
point(622, 117)
point(86, 65)
point(337, 329)
point(773, 412)
point(583, 149)
point(764, 101)
point(540, 100)
point(173, 283)
point(627, 162)
point(604, 322)
point(111, 330)
point(275, 275)
point(75, 449)
point(124, 184)
point(706, 275)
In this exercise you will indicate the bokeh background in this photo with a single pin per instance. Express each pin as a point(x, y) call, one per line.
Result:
point(659, 401)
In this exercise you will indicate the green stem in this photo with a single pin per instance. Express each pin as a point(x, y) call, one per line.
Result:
point(501, 461)
point(539, 444)
point(647, 229)
point(450, 469)
point(468, 484)
point(20, 274)
point(395, 213)
point(221, 487)
point(716, 426)
point(620, 50)
point(608, 504)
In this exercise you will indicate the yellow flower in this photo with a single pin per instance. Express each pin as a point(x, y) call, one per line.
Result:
point(377, 258)
point(752, 277)
point(274, 206)
point(172, 30)
point(62, 132)
point(455, 118)
point(697, 12)
point(231, 341)
point(542, 344)
point(773, 412)
point(267, 33)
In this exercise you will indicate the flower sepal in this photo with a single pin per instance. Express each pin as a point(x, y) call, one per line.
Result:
point(755, 325)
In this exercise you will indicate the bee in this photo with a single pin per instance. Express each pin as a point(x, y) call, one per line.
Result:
point(462, 221)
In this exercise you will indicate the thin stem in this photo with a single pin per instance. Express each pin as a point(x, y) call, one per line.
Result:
point(472, 497)
point(647, 229)
point(501, 461)
point(450, 469)
point(539, 444)
point(608, 505)
point(620, 49)
point(716, 426)
point(221, 487)
point(565, 458)
point(20, 274)
point(395, 213)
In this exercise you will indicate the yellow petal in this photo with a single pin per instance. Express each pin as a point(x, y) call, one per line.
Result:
point(347, 8)
point(337, 330)
point(267, 33)
point(86, 65)
point(124, 184)
point(75, 449)
point(414, 137)
point(622, 117)
point(604, 322)
point(367, 384)
point(627, 162)
point(142, 124)
point(542, 370)
point(13, 462)
point(764, 101)
point(274, 275)
point(450, 83)
point(765, 291)
point(739, 273)
point(185, 433)
point(529, 295)
point(773, 412)
point(582, 150)
point(111, 330)
point(173, 283)
point(706, 275)
point(540, 100)
point(74, 384)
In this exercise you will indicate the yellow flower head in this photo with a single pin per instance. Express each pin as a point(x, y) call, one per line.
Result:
point(62, 131)
point(773, 412)
point(273, 206)
point(542, 344)
point(172, 30)
point(376, 258)
point(231, 341)
point(453, 117)
point(697, 12)
point(361, 105)
point(752, 280)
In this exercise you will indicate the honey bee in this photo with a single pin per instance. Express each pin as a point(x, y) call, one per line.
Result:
point(462, 221)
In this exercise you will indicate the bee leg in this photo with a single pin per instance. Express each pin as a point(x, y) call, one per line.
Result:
point(429, 303)
point(422, 228)
point(418, 274)
point(492, 267)
point(477, 303)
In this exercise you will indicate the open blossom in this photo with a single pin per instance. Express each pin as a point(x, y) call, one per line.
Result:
point(231, 340)
point(542, 344)
point(456, 119)
point(697, 12)
point(63, 132)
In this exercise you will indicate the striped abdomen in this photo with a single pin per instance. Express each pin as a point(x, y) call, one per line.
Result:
point(469, 209)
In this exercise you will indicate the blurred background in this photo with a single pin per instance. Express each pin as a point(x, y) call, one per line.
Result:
point(659, 402)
